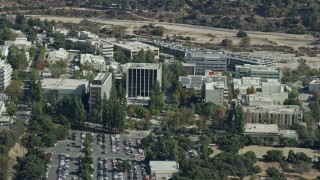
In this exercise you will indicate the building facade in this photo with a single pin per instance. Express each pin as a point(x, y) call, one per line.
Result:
point(274, 114)
point(314, 86)
point(107, 49)
point(235, 60)
point(262, 71)
point(63, 87)
point(207, 60)
point(132, 48)
point(215, 93)
point(5, 74)
point(141, 78)
point(100, 88)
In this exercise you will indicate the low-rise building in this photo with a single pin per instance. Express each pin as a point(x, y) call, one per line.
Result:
point(87, 35)
point(266, 86)
point(269, 130)
point(196, 81)
point(235, 59)
point(248, 70)
point(132, 48)
point(163, 169)
point(314, 86)
point(274, 114)
point(98, 62)
point(57, 55)
point(62, 31)
point(207, 60)
point(4, 117)
point(107, 49)
point(20, 43)
point(5, 74)
point(175, 50)
point(62, 87)
point(100, 88)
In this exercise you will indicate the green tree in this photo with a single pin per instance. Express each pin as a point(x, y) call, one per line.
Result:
point(58, 68)
point(14, 91)
point(150, 57)
point(20, 19)
point(120, 57)
point(17, 58)
point(203, 91)
point(11, 109)
point(227, 43)
point(239, 119)
point(241, 33)
point(274, 173)
point(274, 155)
point(6, 35)
point(156, 97)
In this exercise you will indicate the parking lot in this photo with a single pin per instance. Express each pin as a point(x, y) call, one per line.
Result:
point(113, 151)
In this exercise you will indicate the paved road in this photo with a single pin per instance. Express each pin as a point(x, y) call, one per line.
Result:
point(177, 26)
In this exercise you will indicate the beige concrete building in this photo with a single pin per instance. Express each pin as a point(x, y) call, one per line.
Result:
point(274, 114)
point(163, 169)
point(215, 92)
point(132, 48)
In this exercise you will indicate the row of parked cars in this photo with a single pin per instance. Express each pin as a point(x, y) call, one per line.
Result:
point(115, 143)
point(116, 174)
point(102, 173)
point(64, 165)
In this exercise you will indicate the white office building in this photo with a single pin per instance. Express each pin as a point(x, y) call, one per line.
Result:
point(207, 60)
point(100, 86)
point(5, 74)
point(248, 70)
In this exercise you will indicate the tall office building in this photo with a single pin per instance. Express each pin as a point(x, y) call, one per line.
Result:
point(100, 86)
point(207, 60)
point(141, 78)
point(5, 74)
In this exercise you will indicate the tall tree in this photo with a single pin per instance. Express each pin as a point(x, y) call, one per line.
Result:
point(150, 57)
point(17, 58)
point(14, 91)
point(156, 97)
point(203, 91)
point(239, 119)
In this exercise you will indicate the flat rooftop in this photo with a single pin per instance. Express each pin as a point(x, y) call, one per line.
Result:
point(135, 45)
point(101, 76)
point(261, 128)
point(51, 83)
point(316, 81)
point(143, 65)
point(164, 166)
point(215, 85)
